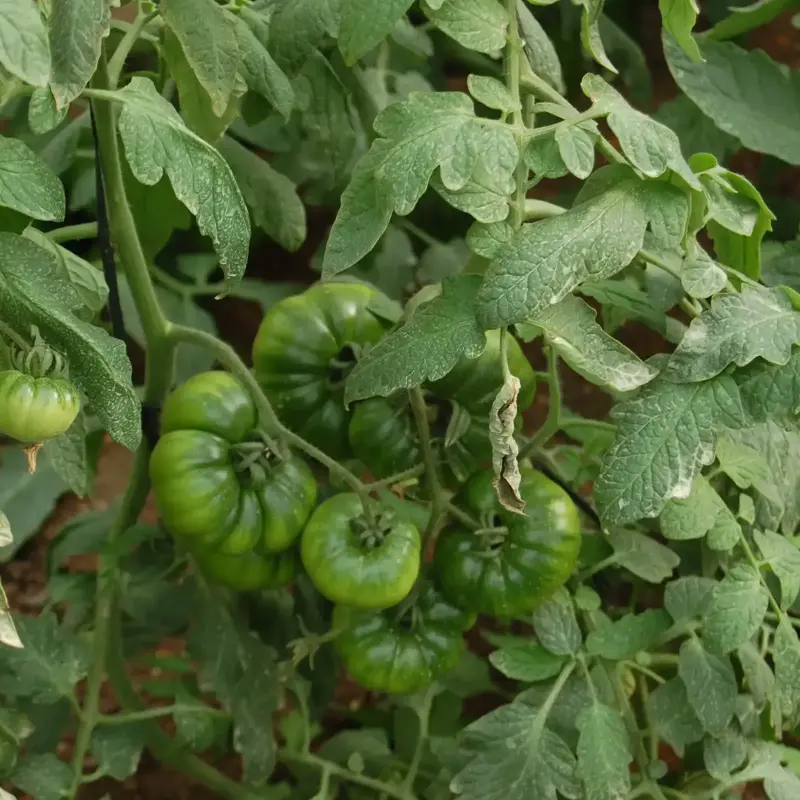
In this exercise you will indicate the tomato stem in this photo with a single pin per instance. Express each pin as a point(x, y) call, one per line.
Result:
point(553, 421)
point(438, 499)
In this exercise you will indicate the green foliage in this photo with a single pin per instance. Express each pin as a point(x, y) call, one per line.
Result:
point(408, 149)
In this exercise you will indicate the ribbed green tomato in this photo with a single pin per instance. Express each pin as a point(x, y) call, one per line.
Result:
point(351, 564)
point(509, 574)
point(36, 409)
point(205, 491)
point(303, 351)
point(248, 572)
point(401, 654)
point(383, 436)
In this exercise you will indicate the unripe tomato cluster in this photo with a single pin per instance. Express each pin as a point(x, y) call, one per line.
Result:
point(251, 518)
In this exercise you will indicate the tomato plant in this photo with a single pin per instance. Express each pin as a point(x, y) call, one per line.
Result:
point(400, 399)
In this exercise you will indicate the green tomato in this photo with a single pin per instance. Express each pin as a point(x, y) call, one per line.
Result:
point(474, 382)
point(36, 409)
point(251, 571)
point(383, 436)
point(351, 564)
point(304, 349)
point(509, 574)
point(207, 493)
point(401, 651)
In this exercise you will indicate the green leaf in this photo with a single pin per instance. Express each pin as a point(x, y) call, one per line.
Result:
point(786, 657)
point(542, 155)
point(438, 129)
point(195, 724)
point(726, 531)
point(701, 276)
point(710, 685)
point(781, 264)
point(696, 131)
point(736, 611)
point(27, 184)
point(649, 146)
point(476, 24)
point(26, 499)
point(195, 102)
point(260, 71)
point(274, 203)
point(757, 674)
point(576, 148)
point(69, 455)
point(642, 555)
point(208, 38)
point(625, 637)
point(484, 196)
point(43, 115)
point(426, 348)
point(86, 280)
point(737, 329)
point(77, 29)
point(509, 754)
point(570, 327)
point(43, 776)
point(546, 260)
point(24, 50)
point(740, 218)
point(556, 625)
point(255, 699)
point(492, 93)
point(771, 392)
point(117, 749)
point(590, 32)
point(746, 93)
point(694, 516)
point(298, 28)
point(542, 55)
point(687, 598)
point(529, 663)
point(673, 717)
point(783, 557)
point(725, 754)
point(630, 301)
point(32, 293)
point(678, 18)
point(365, 24)
point(665, 434)
point(156, 141)
point(604, 753)
point(49, 664)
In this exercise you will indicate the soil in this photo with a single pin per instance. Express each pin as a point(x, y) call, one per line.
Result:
point(24, 578)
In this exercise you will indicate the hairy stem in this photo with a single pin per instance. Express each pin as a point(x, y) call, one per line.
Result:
point(553, 421)
point(511, 69)
point(438, 500)
point(71, 233)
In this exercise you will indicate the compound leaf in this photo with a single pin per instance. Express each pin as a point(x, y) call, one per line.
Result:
point(604, 753)
point(746, 93)
point(665, 434)
point(27, 184)
point(710, 685)
point(509, 754)
point(208, 38)
point(157, 141)
point(570, 327)
point(737, 329)
point(77, 29)
point(24, 49)
point(736, 611)
point(546, 260)
point(365, 24)
point(476, 24)
point(426, 348)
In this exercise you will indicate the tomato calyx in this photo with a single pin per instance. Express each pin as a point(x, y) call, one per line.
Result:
point(253, 458)
point(493, 535)
point(38, 360)
point(372, 534)
point(341, 365)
